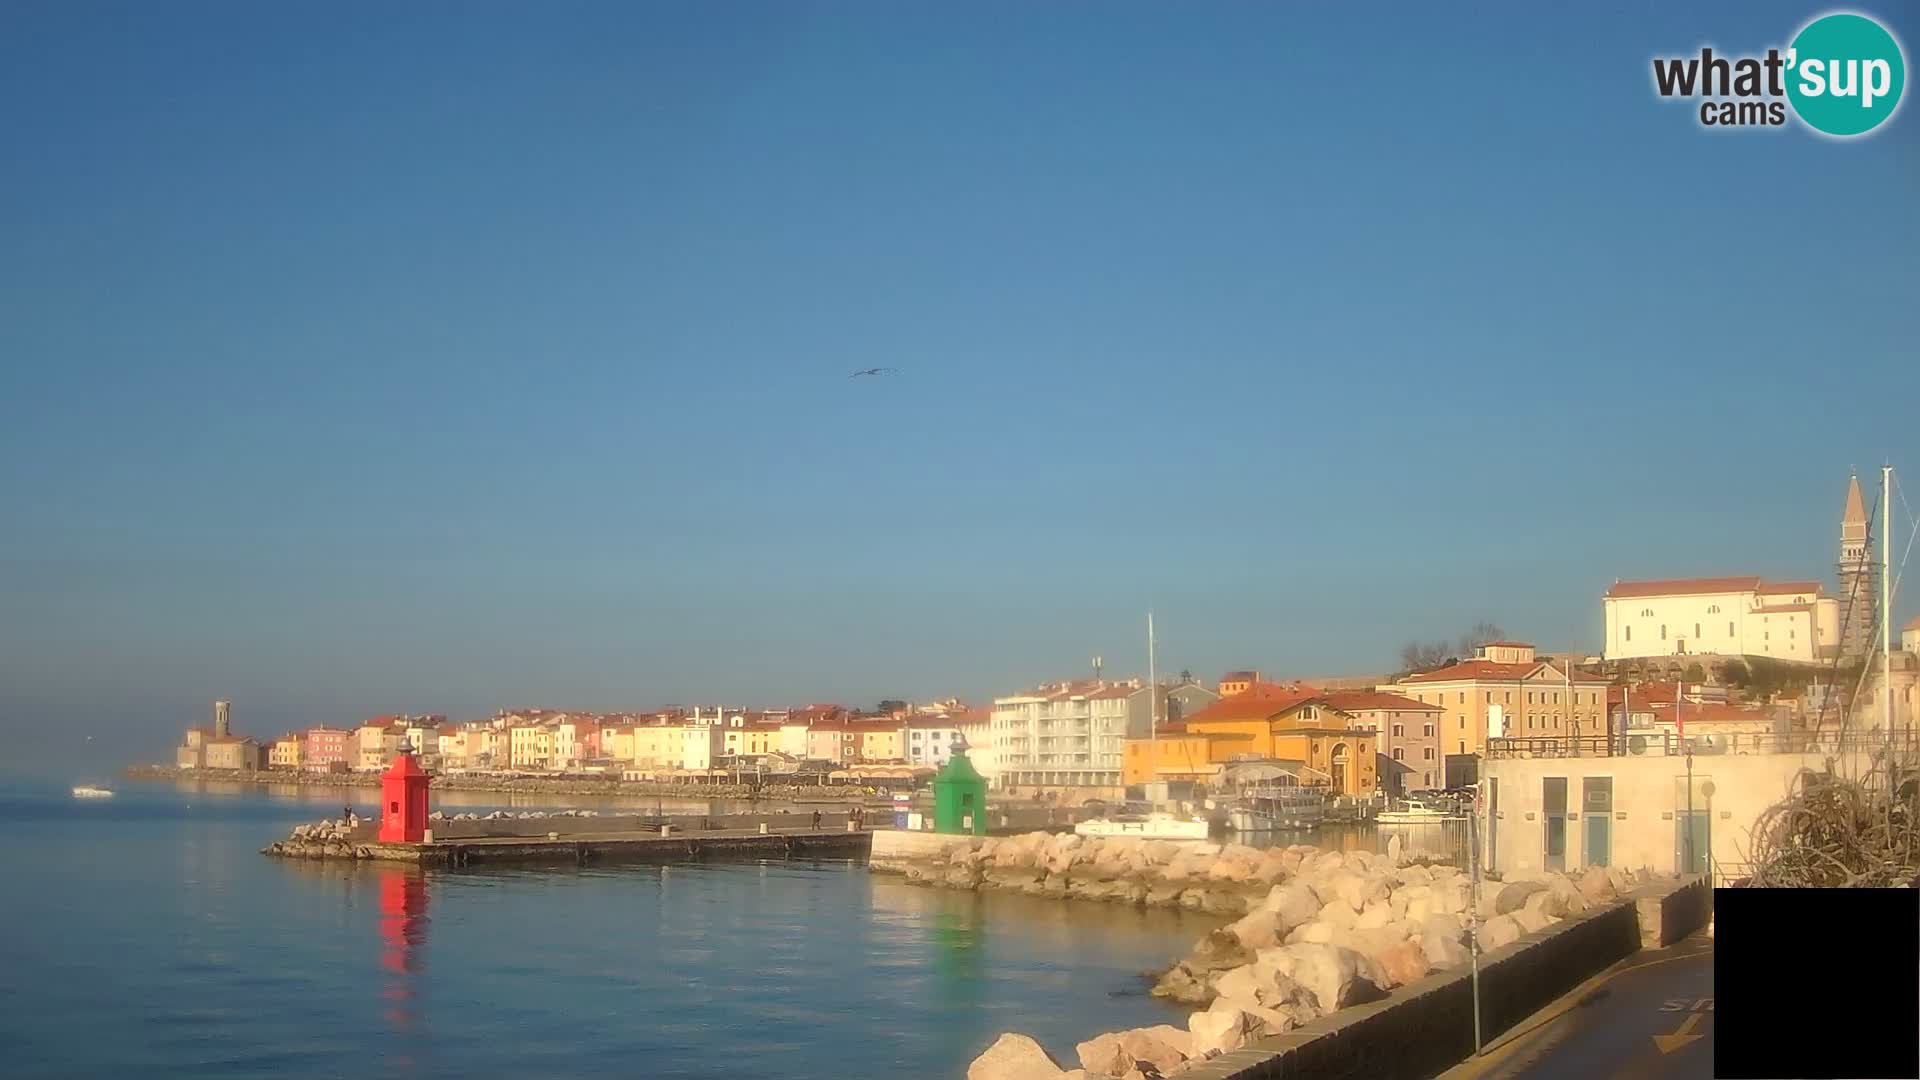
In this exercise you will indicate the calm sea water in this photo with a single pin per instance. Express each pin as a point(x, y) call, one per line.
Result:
point(145, 936)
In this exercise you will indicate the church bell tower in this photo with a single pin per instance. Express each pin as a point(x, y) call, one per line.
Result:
point(1859, 578)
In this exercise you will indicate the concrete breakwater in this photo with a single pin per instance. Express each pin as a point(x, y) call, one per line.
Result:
point(1319, 932)
point(571, 841)
point(516, 785)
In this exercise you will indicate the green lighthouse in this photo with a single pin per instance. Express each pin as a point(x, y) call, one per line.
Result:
point(959, 795)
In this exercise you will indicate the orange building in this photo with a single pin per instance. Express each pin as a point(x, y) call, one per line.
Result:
point(1265, 722)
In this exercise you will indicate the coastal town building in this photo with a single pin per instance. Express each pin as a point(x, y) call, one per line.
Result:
point(1291, 726)
point(287, 752)
point(1408, 733)
point(240, 753)
point(1715, 617)
point(1910, 637)
point(1065, 736)
point(1237, 682)
point(975, 727)
point(329, 750)
point(1505, 689)
point(930, 738)
point(1858, 604)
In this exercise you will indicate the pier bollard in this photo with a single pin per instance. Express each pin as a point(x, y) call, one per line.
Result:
point(852, 826)
point(553, 836)
point(666, 830)
point(763, 828)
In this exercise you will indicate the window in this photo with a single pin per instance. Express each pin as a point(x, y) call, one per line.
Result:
point(1399, 753)
point(1428, 754)
point(1398, 731)
point(1663, 631)
point(1729, 629)
point(1529, 697)
point(1507, 697)
point(1429, 779)
point(1713, 609)
point(1428, 732)
point(1463, 697)
point(1463, 746)
point(1646, 613)
point(1696, 630)
point(1629, 633)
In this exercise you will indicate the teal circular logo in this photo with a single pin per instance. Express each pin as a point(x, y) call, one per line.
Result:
point(1844, 74)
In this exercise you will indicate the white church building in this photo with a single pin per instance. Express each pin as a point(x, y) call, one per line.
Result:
point(1730, 616)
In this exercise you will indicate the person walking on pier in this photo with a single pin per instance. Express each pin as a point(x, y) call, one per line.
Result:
point(816, 821)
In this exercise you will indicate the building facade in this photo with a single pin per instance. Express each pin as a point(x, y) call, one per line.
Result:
point(1408, 734)
point(329, 749)
point(1859, 601)
point(1731, 616)
point(287, 752)
point(1064, 735)
point(1507, 691)
point(930, 740)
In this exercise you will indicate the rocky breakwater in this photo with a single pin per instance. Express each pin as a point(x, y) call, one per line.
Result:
point(1196, 875)
point(1339, 929)
point(320, 840)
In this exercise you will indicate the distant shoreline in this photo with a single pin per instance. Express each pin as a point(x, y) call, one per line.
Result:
point(512, 785)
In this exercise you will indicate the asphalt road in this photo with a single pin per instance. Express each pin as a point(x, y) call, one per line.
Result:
point(1649, 1017)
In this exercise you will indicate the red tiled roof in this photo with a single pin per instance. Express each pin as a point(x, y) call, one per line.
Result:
point(1714, 713)
point(1492, 671)
point(1684, 586)
point(1258, 702)
point(1362, 700)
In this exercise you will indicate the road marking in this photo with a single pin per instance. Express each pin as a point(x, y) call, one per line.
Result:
point(1705, 1004)
point(1669, 1043)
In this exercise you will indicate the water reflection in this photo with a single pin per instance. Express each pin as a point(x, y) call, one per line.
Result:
point(1443, 842)
point(403, 937)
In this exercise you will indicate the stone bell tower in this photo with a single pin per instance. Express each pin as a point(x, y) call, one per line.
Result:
point(1859, 579)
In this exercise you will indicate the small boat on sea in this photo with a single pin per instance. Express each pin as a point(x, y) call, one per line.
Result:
point(1418, 812)
point(88, 791)
point(1137, 819)
point(1276, 808)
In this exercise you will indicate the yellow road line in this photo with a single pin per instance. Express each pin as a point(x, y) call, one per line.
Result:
point(1500, 1049)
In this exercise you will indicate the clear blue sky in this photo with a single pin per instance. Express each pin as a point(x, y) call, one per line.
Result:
point(361, 357)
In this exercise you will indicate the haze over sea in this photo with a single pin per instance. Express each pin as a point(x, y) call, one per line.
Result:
point(147, 937)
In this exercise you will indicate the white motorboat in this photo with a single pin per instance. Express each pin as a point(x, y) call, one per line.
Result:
point(1417, 812)
point(1150, 824)
point(88, 791)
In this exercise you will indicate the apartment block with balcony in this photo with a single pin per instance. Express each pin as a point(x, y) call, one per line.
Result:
point(1068, 735)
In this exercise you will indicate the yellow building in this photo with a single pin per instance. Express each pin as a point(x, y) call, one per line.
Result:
point(658, 746)
point(1505, 689)
point(288, 752)
point(530, 746)
point(754, 740)
point(1260, 723)
point(881, 740)
point(1238, 682)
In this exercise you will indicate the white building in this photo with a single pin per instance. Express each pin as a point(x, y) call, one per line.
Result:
point(700, 744)
point(976, 728)
point(1728, 616)
point(1063, 735)
point(930, 739)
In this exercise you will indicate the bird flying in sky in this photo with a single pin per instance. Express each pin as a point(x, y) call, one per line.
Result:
point(873, 371)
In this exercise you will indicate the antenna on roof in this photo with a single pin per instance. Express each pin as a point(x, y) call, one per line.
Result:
point(1096, 669)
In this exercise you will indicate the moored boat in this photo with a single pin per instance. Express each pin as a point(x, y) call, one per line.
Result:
point(1151, 824)
point(88, 791)
point(1277, 808)
point(1418, 812)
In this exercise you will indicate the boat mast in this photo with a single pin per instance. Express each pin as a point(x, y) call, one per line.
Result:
point(1886, 598)
point(1153, 703)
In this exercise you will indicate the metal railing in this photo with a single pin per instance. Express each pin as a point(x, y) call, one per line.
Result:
point(1661, 744)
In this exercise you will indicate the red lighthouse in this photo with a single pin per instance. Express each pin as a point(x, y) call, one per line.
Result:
point(403, 798)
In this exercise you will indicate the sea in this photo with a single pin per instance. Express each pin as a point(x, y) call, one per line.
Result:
point(146, 936)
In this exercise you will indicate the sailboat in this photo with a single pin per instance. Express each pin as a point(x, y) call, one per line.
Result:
point(90, 791)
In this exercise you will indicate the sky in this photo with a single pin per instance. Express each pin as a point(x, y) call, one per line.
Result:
point(358, 358)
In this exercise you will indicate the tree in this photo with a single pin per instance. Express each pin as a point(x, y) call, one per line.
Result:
point(1419, 656)
point(1694, 673)
point(1481, 633)
point(890, 706)
point(1736, 673)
